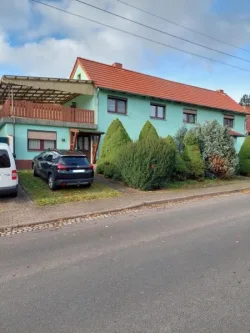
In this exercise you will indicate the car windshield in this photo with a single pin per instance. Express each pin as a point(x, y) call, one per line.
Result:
point(4, 159)
point(74, 161)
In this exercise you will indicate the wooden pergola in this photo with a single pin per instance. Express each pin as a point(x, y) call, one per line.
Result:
point(43, 89)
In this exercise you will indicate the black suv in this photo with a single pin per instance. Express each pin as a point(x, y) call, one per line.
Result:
point(63, 167)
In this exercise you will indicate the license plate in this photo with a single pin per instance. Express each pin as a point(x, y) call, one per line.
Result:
point(79, 171)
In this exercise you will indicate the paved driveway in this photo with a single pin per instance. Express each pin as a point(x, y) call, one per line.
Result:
point(11, 208)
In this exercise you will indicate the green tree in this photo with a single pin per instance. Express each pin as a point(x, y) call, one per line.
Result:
point(217, 148)
point(245, 100)
point(148, 131)
point(244, 157)
point(180, 170)
point(179, 138)
point(114, 141)
point(192, 156)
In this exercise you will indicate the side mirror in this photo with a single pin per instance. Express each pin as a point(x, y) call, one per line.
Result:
point(14, 155)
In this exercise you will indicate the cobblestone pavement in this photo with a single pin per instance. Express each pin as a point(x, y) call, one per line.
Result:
point(22, 211)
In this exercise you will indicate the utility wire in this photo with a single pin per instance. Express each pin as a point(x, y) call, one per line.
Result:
point(182, 26)
point(139, 36)
point(161, 31)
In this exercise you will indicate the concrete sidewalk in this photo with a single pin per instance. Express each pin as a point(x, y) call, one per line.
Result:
point(22, 212)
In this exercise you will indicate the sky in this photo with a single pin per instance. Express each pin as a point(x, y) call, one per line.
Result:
point(41, 41)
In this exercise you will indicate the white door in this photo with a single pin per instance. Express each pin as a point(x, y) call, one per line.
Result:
point(8, 177)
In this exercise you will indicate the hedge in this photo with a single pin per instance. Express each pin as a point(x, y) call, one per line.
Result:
point(244, 157)
point(147, 164)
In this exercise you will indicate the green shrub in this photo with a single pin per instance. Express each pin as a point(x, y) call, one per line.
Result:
point(180, 170)
point(114, 141)
point(147, 164)
point(179, 139)
point(244, 157)
point(148, 132)
point(100, 167)
point(113, 127)
point(110, 170)
point(192, 156)
point(217, 149)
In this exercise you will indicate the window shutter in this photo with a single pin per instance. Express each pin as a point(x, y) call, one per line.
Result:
point(39, 135)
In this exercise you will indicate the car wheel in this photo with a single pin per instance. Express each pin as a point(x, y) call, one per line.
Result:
point(35, 174)
point(88, 185)
point(51, 182)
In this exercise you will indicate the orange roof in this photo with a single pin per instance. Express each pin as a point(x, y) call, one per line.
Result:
point(120, 79)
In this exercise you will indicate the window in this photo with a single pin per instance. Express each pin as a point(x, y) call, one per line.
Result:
point(79, 77)
point(189, 116)
point(117, 105)
point(157, 111)
point(34, 144)
point(41, 140)
point(49, 144)
point(74, 160)
point(229, 121)
point(4, 159)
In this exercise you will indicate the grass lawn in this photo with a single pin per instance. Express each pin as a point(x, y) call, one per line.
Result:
point(189, 184)
point(40, 193)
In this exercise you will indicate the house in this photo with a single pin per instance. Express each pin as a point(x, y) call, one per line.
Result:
point(40, 113)
point(74, 113)
point(247, 109)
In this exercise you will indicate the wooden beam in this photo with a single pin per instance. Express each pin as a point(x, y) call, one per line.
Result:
point(96, 148)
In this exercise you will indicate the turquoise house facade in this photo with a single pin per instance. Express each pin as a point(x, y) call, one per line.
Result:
point(138, 109)
point(94, 96)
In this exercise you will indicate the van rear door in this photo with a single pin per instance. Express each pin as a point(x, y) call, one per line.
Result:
point(5, 169)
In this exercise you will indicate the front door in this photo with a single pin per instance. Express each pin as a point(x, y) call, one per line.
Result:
point(84, 145)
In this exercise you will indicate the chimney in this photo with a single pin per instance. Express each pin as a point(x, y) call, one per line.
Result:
point(117, 65)
point(221, 91)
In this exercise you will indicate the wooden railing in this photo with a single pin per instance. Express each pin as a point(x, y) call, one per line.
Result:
point(26, 109)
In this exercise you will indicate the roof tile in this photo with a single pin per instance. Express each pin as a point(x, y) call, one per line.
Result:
point(120, 79)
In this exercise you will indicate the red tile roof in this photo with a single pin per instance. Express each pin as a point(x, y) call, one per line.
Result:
point(247, 109)
point(120, 79)
point(233, 133)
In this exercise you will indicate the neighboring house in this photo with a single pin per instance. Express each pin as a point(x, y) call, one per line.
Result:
point(74, 113)
point(247, 109)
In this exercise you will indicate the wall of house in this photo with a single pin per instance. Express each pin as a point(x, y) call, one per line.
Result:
point(23, 155)
point(84, 101)
point(138, 112)
point(78, 71)
point(3, 131)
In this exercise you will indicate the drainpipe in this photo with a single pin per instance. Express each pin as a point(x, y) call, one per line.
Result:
point(97, 106)
point(14, 123)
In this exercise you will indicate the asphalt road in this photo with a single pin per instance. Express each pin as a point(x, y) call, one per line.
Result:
point(184, 268)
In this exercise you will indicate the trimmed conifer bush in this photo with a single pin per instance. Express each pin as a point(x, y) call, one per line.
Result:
point(114, 141)
point(148, 132)
point(244, 157)
point(180, 170)
point(192, 156)
point(147, 164)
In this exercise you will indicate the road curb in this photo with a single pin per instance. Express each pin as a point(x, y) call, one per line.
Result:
point(4, 229)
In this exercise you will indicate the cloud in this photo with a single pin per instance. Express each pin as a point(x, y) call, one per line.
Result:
point(43, 41)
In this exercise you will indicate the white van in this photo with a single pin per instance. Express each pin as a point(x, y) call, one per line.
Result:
point(8, 174)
